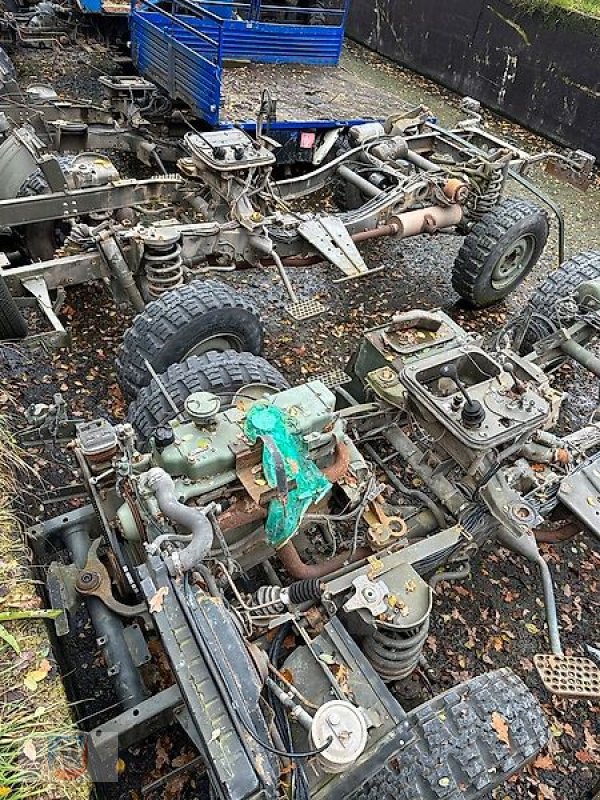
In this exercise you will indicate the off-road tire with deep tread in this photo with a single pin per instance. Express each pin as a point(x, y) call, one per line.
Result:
point(488, 240)
point(12, 322)
point(540, 315)
point(168, 328)
point(40, 237)
point(223, 374)
point(37, 184)
point(456, 752)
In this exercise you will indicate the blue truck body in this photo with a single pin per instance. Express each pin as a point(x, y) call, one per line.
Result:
point(183, 47)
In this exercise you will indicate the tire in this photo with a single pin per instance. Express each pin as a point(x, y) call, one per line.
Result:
point(540, 316)
point(499, 251)
point(199, 317)
point(12, 322)
point(456, 753)
point(42, 238)
point(224, 374)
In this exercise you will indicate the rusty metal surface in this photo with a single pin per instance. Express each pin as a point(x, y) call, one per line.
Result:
point(94, 581)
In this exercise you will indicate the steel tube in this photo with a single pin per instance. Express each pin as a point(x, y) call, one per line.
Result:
point(420, 161)
point(357, 180)
point(582, 355)
point(297, 568)
point(128, 684)
point(427, 220)
point(438, 483)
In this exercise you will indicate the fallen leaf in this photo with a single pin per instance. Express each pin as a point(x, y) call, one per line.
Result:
point(29, 750)
point(544, 792)
point(500, 725)
point(156, 602)
point(543, 762)
point(591, 742)
point(9, 639)
point(585, 757)
point(37, 675)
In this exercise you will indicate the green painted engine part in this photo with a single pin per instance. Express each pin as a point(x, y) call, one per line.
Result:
point(284, 458)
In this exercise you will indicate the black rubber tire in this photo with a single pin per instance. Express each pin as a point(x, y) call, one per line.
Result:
point(486, 243)
point(224, 374)
point(12, 322)
point(169, 327)
point(540, 316)
point(41, 237)
point(456, 753)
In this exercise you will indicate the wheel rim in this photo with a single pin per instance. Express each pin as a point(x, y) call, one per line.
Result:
point(514, 262)
point(220, 343)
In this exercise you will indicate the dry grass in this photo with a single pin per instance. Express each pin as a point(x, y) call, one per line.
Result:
point(34, 714)
point(591, 7)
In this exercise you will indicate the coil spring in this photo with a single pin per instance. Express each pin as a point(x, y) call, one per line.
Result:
point(490, 189)
point(395, 653)
point(163, 265)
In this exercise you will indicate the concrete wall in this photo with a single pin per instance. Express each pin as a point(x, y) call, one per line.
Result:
point(541, 70)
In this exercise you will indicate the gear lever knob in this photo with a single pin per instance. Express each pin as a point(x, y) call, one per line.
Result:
point(472, 414)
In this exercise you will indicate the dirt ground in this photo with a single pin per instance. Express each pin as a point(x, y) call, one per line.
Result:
point(493, 619)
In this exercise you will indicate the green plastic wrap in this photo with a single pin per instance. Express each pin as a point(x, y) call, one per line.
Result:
point(284, 450)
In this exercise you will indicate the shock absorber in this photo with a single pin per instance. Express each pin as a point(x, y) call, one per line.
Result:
point(394, 650)
point(162, 261)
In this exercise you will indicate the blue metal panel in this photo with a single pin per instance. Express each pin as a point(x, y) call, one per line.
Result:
point(90, 6)
point(184, 52)
point(188, 72)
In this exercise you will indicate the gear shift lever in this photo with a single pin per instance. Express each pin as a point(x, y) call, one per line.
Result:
point(473, 413)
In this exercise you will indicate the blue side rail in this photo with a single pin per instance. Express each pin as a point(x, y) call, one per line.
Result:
point(182, 45)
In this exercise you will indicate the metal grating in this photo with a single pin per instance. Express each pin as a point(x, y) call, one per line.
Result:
point(305, 309)
point(568, 676)
point(332, 378)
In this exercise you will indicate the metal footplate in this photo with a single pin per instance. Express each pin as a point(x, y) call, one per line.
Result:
point(333, 377)
point(568, 676)
point(328, 235)
point(305, 309)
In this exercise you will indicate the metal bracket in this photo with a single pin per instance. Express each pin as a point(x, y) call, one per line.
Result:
point(368, 594)
point(38, 288)
point(328, 235)
point(94, 580)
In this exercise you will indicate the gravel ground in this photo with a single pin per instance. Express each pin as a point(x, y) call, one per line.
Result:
point(493, 619)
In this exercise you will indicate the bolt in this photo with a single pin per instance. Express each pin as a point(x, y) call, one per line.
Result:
point(333, 719)
point(87, 581)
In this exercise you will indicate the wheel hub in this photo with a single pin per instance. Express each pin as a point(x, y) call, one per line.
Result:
point(513, 262)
